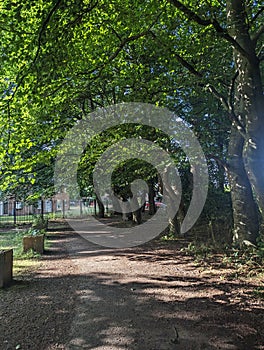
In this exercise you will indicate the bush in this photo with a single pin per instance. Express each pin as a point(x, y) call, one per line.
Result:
point(34, 232)
point(40, 223)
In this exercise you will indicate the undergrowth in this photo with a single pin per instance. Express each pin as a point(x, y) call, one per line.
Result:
point(247, 261)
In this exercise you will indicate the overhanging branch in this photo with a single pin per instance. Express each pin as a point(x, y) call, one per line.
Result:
point(211, 88)
point(219, 161)
point(41, 32)
point(222, 32)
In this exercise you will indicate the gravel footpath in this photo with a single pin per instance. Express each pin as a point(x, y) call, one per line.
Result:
point(36, 311)
point(146, 298)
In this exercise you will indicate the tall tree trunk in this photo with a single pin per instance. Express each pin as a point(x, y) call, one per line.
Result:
point(137, 214)
point(116, 206)
point(245, 213)
point(174, 226)
point(254, 145)
point(221, 178)
point(140, 202)
point(152, 206)
point(248, 97)
point(101, 207)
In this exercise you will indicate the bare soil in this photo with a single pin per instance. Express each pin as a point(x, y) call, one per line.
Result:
point(152, 297)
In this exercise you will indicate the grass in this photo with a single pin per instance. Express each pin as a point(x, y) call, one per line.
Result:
point(22, 261)
point(20, 218)
point(259, 292)
point(26, 218)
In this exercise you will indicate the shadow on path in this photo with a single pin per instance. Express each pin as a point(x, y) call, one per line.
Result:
point(145, 298)
point(152, 297)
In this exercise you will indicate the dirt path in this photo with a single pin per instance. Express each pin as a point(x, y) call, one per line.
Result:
point(146, 298)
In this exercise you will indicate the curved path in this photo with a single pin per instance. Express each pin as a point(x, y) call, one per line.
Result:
point(152, 297)
point(155, 298)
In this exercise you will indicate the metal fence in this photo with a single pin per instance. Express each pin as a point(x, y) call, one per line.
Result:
point(19, 212)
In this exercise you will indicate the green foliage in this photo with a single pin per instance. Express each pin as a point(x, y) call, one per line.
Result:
point(218, 214)
point(259, 292)
point(260, 248)
point(248, 261)
point(250, 254)
point(200, 251)
point(13, 240)
point(61, 60)
point(34, 232)
point(126, 171)
point(86, 56)
point(168, 237)
point(40, 223)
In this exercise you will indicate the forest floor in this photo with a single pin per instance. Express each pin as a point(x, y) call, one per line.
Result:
point(151, 297)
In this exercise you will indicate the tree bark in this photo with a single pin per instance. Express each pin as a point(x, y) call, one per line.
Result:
point(152, 206)
point(136, 215)
point(245, 213)
point(253, 152)
point(101, 212)
point(248, 98)
point(116, 206)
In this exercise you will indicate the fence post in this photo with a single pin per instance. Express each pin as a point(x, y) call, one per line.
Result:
point(42, 209)
point(63, 208)
point(14, 212)
point(81, 209)
point(53, 206)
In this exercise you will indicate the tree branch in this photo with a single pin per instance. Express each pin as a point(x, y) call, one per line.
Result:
point(257, 14)
point(42, 30)
point(122, 44)
point(82, 14)
point(187, 65)
point(258, 34)
point(229, 108)
point(222, 32)
point(219, 161)
point(231, 104)
point(210, 87)
point(191, 14)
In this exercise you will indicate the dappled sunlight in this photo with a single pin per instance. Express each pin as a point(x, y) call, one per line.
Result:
point(142, 298)
point(139, 304)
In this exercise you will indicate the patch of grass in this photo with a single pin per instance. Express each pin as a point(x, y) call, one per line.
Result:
point(25, 265)
point(168, 237)
point(22, 261)
point(13, 240)
point(199, 251)
point(247, 262)
point(259, 292)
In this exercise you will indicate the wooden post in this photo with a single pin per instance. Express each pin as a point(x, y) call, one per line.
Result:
point(6, 267)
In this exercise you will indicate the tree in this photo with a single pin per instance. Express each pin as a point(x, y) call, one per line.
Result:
point(242, 30)
point(65, 58)
point(122, 172)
